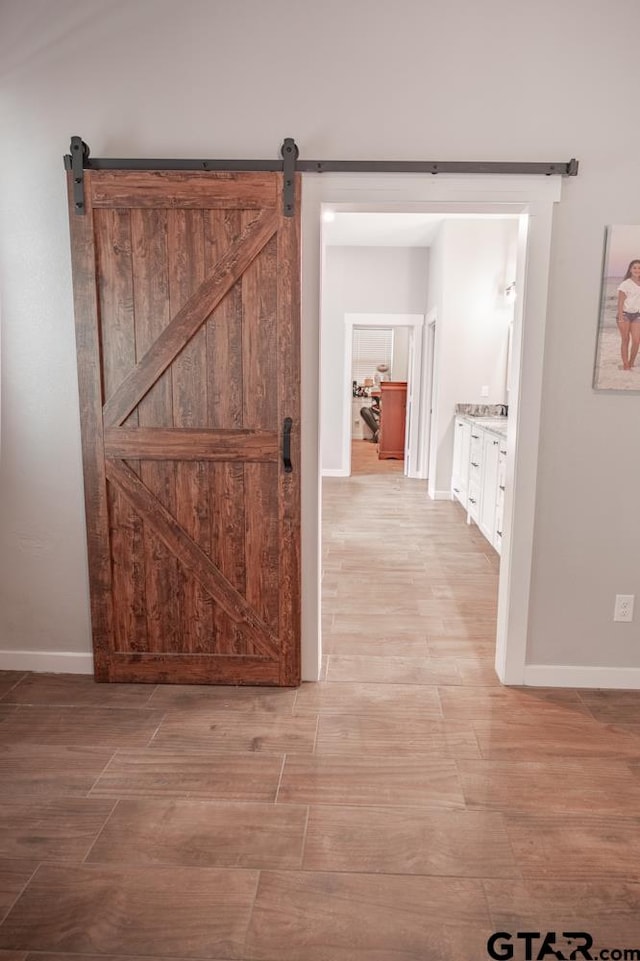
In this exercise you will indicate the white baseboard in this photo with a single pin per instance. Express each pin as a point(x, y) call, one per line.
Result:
point(566, 675)
point(49, 662)
point(440, 495)
point(334, 472)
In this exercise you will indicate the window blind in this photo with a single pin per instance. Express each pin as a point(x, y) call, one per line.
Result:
point(371, 346)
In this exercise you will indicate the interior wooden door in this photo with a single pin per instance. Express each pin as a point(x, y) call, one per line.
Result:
point(186, 288)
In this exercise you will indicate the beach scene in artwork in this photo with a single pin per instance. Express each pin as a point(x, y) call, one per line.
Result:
point(608, 370)
point(622, 246)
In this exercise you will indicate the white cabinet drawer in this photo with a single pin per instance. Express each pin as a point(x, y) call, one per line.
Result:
point(473, 501)
point(475, 445)
point(497, 538)
point(475, 457)
point(502, 467)
point(489, 485)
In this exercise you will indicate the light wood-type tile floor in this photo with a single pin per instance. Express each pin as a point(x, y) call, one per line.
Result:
point(400, 810)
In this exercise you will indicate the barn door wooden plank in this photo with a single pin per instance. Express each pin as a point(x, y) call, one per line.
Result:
point(164, 576)
point(261, 411)
point(224, 330)
point(85, 296)
point(226, 479)
point(190, 385)
point(118, 347)
point(288, 293)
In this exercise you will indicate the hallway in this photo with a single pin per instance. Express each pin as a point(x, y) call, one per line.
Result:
point(403, 809)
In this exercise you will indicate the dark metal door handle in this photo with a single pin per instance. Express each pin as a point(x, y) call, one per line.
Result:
point(286, 444)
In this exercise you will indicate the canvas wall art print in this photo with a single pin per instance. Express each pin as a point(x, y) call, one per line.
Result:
point(617, 364)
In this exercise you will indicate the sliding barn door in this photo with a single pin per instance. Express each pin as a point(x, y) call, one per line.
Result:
point(186, 288)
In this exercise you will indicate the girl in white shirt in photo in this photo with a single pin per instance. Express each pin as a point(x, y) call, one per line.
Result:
point(629, 315)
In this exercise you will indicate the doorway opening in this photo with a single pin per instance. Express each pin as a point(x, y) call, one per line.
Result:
point(531, 201)
point(460, 264)
point(404, 366)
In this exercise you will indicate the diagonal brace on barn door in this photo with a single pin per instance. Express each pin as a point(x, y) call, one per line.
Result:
point(192, 557)
point(190, 318)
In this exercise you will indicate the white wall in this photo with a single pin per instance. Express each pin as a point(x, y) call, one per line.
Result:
point(401, 338)
point(154, 78)
point(374, 280)
point(474, 257)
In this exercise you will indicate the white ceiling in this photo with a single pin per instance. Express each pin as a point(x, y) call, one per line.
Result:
point(389, 228)
point(381, 229)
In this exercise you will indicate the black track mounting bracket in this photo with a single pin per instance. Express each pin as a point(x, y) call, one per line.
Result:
point(75, 162)
point(290, 155)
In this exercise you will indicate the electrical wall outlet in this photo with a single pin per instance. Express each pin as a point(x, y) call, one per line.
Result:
point(623, 609)
point(484, 391)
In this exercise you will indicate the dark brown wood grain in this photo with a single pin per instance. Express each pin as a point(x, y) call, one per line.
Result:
point(225, 363)
point(128, 574)
point(224, 328)
point(260, 341)
point(187, 321)
point(189, 401)
point(90, 391)
point(164, 578)
point(194, 516)
point(168, 189)
point(262, 542)
point(190, 555)
point(260, 411)
point(185, 251)
point(152, 316)
point(249, 669)
point(115, 291)
point(289, 406)
point(118, 348)
point(158, 443)
point(229, 510)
